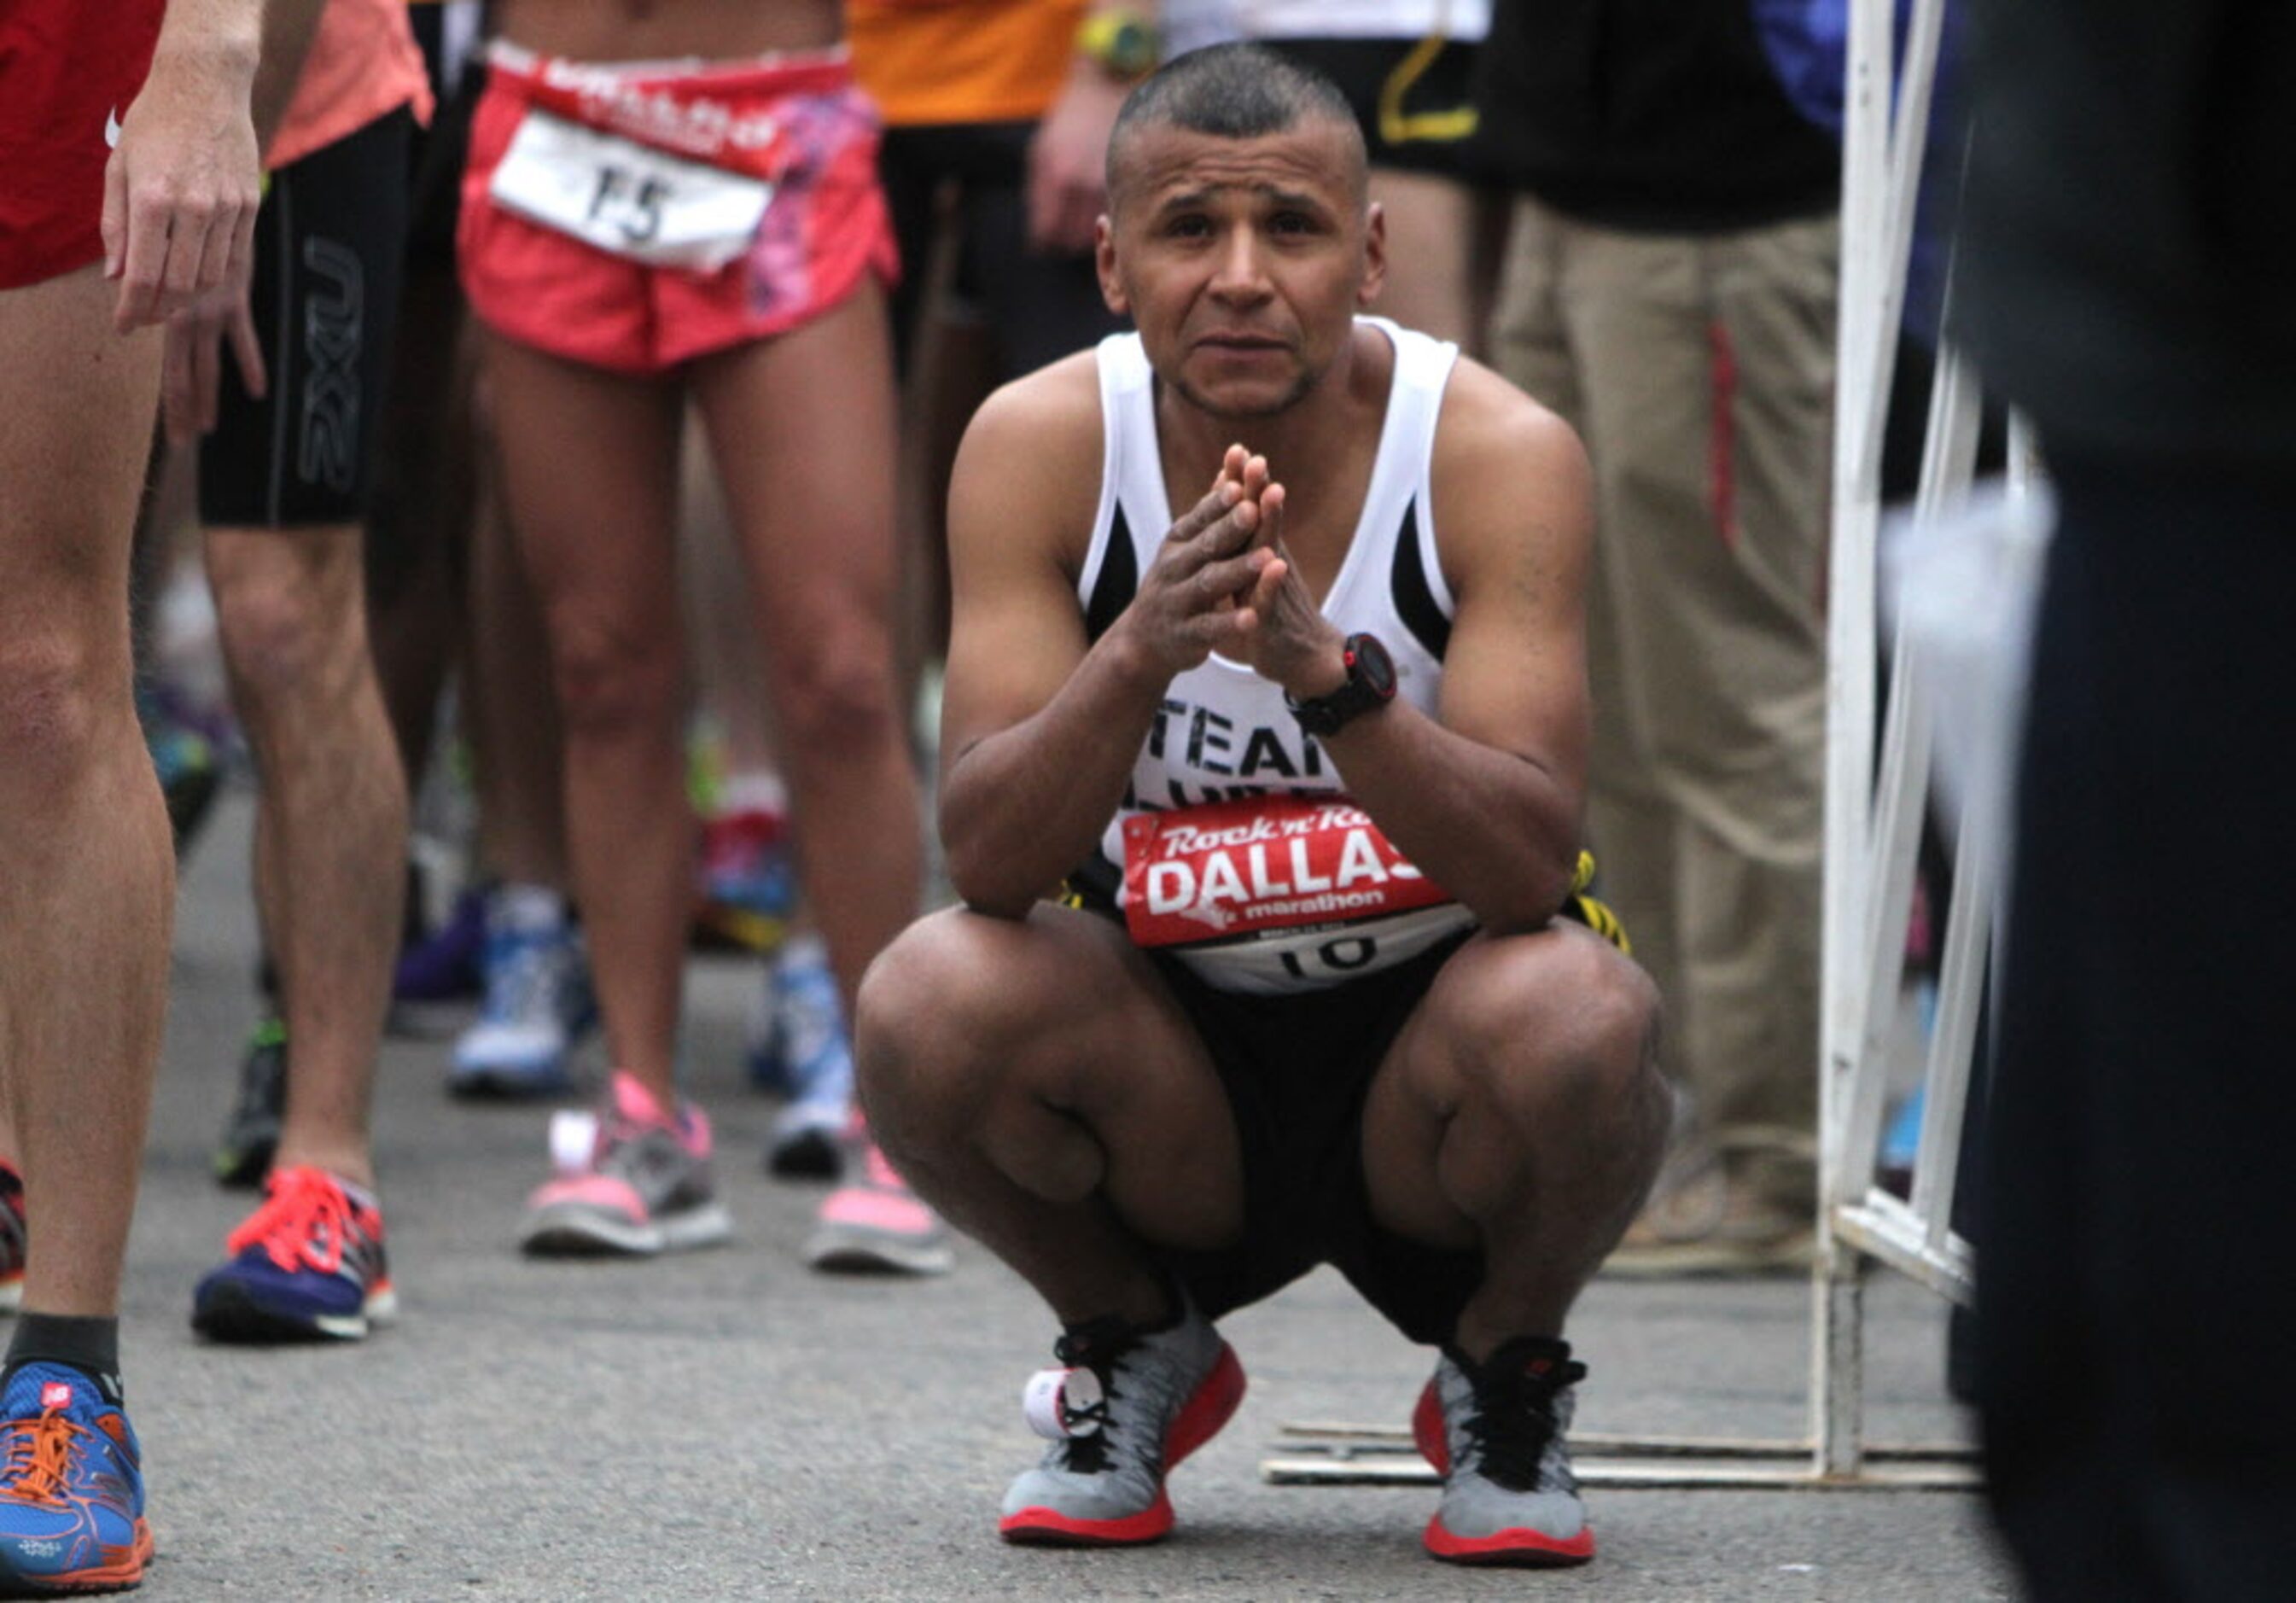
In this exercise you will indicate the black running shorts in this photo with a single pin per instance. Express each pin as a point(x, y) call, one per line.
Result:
point(1296, 1069)
point(330, 244)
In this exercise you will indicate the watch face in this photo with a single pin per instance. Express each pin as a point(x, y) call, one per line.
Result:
point(1132, 48)
point(1370, 659)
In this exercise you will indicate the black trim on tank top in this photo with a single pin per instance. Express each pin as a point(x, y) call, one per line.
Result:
point(1119, 578)
point(1414, 599)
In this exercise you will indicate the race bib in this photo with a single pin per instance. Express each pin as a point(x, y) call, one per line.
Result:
point(1278, 893)
point(629, 198)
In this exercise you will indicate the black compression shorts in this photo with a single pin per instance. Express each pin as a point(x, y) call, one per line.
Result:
point(1296, 1069)
point(330, 242)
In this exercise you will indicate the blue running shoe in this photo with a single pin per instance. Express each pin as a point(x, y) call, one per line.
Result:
point(807, 1054)
point(538, 1005)
point(308, 1265)
point(71, 1487)
point(444, 966)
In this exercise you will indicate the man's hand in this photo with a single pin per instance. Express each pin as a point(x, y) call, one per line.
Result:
point(1068, 163)
point(1292, 643)
point(192, 365)
point(1187, 604)
point(181, 189)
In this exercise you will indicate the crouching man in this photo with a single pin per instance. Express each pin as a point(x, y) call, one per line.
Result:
point(1309, 757)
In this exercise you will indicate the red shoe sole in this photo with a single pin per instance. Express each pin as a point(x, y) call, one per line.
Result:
point(1523, 1549)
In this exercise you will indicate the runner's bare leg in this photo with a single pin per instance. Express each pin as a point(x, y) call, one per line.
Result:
point(802, 430)
point(86, 869)
point(331, 836)
point(597, 528)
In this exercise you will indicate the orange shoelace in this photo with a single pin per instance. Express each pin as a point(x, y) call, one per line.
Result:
point(39, 1459)
point(303, 1220)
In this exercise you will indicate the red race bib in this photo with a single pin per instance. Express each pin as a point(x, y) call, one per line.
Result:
point(1236, 870)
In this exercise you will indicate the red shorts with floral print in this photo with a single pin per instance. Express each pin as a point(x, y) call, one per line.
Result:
point(636, 216)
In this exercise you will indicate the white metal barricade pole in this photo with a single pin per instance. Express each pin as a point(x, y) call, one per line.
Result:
point(1870, 846)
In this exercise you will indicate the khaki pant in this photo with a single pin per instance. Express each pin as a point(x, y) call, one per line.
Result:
point(1699, 370)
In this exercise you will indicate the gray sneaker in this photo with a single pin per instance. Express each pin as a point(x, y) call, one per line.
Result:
point(638, 1185)
point(1124, 1410)
point(1497, 1432)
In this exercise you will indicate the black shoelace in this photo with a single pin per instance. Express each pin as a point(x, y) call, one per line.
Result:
point(1095, 1347)
point(1514, 1418)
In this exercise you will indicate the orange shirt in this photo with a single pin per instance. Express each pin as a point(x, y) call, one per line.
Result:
point(363, 62)
point(962, 60)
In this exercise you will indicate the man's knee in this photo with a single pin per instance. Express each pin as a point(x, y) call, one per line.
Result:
point(942, 1053)
point(1574, 1026)
point(922, 1015)
point(288, 611)
point(55, 689)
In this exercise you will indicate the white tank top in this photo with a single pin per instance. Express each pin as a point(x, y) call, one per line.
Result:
point(1236, 847)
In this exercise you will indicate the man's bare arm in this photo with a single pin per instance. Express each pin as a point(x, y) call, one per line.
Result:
point(181, 188)
point(1487, 798)
point(1039, 730)
point(1068, 154)
point(192, 371)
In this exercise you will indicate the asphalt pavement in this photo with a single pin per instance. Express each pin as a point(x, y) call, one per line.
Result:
point(727, 1424)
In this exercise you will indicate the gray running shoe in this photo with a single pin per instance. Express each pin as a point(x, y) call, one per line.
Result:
point(641, 1187)
point(1125, 1410)
point(1497, 1431)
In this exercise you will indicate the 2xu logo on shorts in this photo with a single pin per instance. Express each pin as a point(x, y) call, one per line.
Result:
point(334, 335)
point(1235, 869)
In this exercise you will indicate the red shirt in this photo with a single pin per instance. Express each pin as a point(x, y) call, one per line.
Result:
point(69, 70)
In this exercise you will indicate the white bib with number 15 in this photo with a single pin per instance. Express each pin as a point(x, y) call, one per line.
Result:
point(627, 198)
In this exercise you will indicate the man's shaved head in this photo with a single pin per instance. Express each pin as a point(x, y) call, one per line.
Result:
point(1231, 91)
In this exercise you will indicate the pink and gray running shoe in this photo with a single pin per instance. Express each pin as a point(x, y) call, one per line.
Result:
point(873, 1223)
point(640, 1186)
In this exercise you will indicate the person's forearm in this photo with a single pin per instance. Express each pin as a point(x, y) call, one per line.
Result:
point(1497, 831)
point(1021, 808)
point(288, 27)
point(223, 36)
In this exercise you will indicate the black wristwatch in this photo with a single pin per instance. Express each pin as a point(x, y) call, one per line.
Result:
point(1371, 684)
